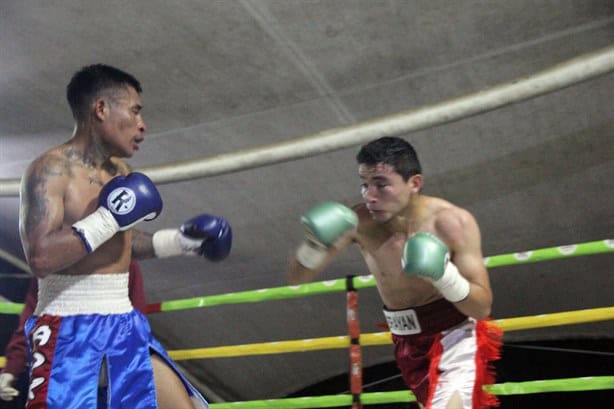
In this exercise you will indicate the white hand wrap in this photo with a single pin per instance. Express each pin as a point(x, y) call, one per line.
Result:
point(96, 228)
point(7, 392)
point(311, 254)
point(452, 285)
point(170, 242)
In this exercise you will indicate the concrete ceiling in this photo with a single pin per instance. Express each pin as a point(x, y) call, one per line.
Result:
point(220, 76)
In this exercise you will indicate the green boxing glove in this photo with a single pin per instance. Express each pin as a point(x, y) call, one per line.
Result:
point(324, 224)
point(425, 255)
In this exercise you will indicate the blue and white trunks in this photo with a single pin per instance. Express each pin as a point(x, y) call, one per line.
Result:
point(90, 349)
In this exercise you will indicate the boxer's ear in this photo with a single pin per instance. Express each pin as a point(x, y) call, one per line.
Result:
point(415, 183)
point(101, 108)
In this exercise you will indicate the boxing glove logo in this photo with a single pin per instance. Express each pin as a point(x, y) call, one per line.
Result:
point(121, 200)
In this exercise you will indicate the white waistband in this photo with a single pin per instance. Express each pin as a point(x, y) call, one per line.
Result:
point(83, 294)
point(404, 322)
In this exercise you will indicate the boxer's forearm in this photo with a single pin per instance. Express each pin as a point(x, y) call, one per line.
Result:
point(298, 274)
point(478, 303)
point(142, 245)
point(55, 252)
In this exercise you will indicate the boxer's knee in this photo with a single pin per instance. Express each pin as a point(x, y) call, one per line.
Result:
point(170, 391)
point(455, 401)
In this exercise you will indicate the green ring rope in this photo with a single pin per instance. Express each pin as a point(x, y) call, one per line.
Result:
point(588, 383)
point(365, 281)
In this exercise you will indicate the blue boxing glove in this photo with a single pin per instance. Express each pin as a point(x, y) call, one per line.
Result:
point(123, 202)
point(206, 235)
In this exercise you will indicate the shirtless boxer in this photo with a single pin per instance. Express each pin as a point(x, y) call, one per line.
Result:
point(79, 201)
point(425, 254)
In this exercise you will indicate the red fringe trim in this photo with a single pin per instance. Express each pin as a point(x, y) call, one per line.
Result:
point(489, 337)
point(435, 355)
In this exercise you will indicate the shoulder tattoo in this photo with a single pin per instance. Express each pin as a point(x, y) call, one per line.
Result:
point(35, 194)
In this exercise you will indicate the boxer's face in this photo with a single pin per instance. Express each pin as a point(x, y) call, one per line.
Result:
point(124, 126)
point(384, 191)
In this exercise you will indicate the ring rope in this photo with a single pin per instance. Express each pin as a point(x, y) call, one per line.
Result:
point(363, 281)
point(509, 324)
point(587, 383)
point(380, 338)
point(366, 281)
point(383, 338)
point(568, 73)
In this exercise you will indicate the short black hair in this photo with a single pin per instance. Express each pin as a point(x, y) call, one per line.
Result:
point(392, 151)
point(87, 83)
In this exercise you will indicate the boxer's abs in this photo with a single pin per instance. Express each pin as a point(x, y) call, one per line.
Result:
point(404, 292)
point(383, 253)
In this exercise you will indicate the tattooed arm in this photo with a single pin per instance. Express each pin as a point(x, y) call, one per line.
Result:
point(48, 243)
